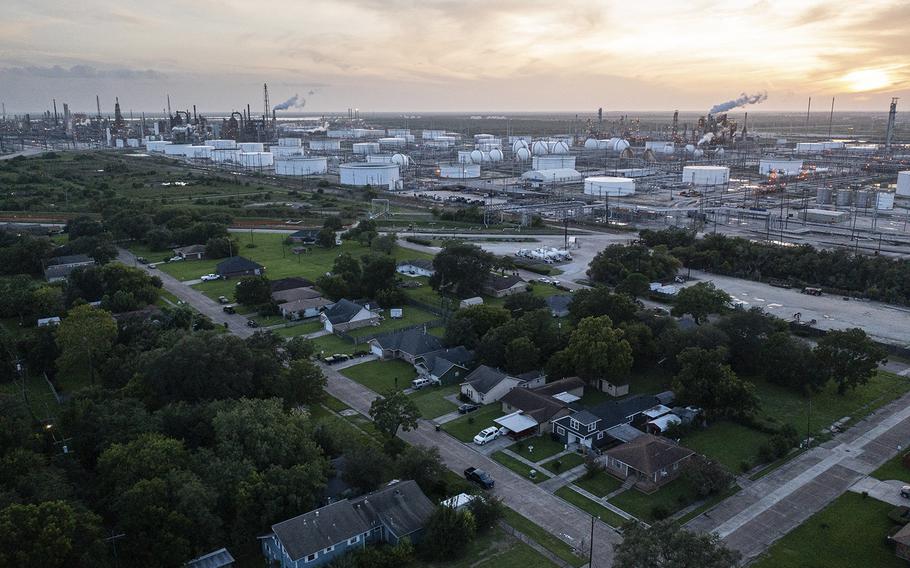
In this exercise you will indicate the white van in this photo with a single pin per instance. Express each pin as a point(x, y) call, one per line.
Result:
point(420, 383)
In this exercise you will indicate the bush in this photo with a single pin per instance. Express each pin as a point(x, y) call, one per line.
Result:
point(659, 512)
point(419, 241)
point(744, 466)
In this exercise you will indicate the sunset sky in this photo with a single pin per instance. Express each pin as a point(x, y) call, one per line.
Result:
point(453, 55)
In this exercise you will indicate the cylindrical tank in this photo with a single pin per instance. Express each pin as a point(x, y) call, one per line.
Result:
point(365, 148)
point(392, 142)
point(609, 186)
point(362, 174)
point(903, 184)
point(176, 149)
point(884, 201)
point(523, 154)
point(379, 159)
point(325, 144)
point(478, 137)
point(222, 144)
point(290, 142)
point(706, 175)
point(823, 196)
point(226, 155)
point(862, 198)
point(787, 167)
point(300, 166)
point(459, 171)
point(553, 162)
point(256, 159)
point(591, 144)
point(252, 147)
point(401, 159)
point(464, 156)
point(844, 197)
point(199, 152)
point(286, 151)
point(156, 145)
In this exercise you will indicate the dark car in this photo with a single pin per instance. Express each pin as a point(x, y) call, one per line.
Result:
point(229, 310)
point(465, 408)
point(480, 477)
point(251, 323)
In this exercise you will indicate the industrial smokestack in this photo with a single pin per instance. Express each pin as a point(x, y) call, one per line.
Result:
point(742, 100)
point(293, 102)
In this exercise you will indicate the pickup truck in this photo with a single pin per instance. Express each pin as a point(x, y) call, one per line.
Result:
point(479, 477)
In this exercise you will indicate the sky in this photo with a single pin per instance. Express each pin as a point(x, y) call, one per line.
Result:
point(453, 55)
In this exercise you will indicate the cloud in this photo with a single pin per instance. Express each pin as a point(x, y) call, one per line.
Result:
point(83, 72)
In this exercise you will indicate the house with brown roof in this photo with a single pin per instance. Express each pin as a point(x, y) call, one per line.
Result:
point(901, 540)
point(502, 286)
point(544, 404)
point(652, 461)
point(192, 252)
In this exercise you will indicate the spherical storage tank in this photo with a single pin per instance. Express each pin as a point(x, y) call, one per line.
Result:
point(402, 160)
point(459, 171)
point(256, 159)
point(365, 148)
point(903, 184)
point(519, 144)
point(464, 156)
point(252, 146)
point(591, 144)
point(609, 186)
point(477, 157)
point(495, 155)
point(300, 166)
point(540, 147)
point(706, 175)
point(361, 174)
point(523, 154)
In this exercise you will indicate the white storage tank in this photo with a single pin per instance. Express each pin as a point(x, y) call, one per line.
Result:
point(659, 147)
point(523, 154)
point(199, 152)
point(552, 162)
point(365, 148)
point(290, 142)
point(609, 186)
point(252, 147)
point(884, 201)
point(706, 175)
point(226, 155)
point(362, 174)
point(343, 133)
point(903, 184)
point(432, 134)
point(459, 171)
point(256, 159)
point(379, 159)
point(591, 144)
point(518, 144)
point(325, 144)
point(496, 155)
point(785, 167)
point(300, 166)
point(286, 151)
point(398, 132)
point(810, 147)
point(401, 159)
point(477, 157)
point(119, 143)
point(464, 156)
point(156, 145)
point(222, 144)
point(392, 142)
point(176, 149)
point(132, 142)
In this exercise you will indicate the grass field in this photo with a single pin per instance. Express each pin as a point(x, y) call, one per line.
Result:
point(671, 498)
point(590, 507)
point(519, 467)
point(432, 402)
point(380, 376)
point(566, 463)
point(329, 344)
point(543, 538)
point(848, 533)
point(411, 316)
point(466, 427)
point(537, 449)
point(495, 550)
point(600, 484)
point(893, 469)
point(304, 328)
point(728, 443)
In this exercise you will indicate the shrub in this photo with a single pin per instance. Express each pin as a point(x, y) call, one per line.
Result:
point(659, 512)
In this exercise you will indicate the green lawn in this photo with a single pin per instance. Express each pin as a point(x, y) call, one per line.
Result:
point(329, 344)
point(671, 497)
point(380, 376)
point(728, 443)
point(432, 402)
point(543, 538)
point(496, 549)
point(519, 467)
point(304, 328)
point(39, 395)
point(590, 507)
point(599, 484)
point(566, 463)
point(410, 316)
point(543, 448)
point(849, 533)
point(708, 504)
point(466, 427)
point(651, 380)
point(893, 469)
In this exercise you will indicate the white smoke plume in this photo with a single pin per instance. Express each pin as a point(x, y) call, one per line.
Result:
point(706, 138)
point(294, 102)
point(742, 100)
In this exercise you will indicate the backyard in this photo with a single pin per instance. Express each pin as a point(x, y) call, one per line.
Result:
point(380, 377)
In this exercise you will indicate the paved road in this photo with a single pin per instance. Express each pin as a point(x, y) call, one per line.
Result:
point(550, 512)
point(753, 519)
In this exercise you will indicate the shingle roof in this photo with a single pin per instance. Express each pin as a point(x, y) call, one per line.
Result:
point(70, 259)
point(496, 282)
point(191, 249)
point(342, 311)
point(484, 378)
point(305, 304)
point(216, 559)
point(541, 407)
point(294, 294)
point(402, 507)
point(649, 454)
point(289, 284)
point(305, 233)
point(414, 341)
point(440, 361)
point(562, 385)
point(615, 412)
point(62, 271)
point(585, 417)
point(236, 264)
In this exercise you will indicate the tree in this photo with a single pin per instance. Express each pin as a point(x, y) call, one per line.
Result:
point(333, 222)
point(384, 244)
point(276, 493)
point(220, 247)
point(301, 383)
point(635, 285)
point(705, 380)
point(707, 477)
point(521, 355)
point(700, 300)
point(300, 347)
point(448, 533)
point(423, 465)
point(487, 510)
point(366, 466)
point(253, 290)
point(85, 337)
point(747, 332)
point(848, 357)
point(616, 262)
point(470, 324)
point(378, 273)
point(790, 362)
point(396, 411)
point(50, 534)
point(597, 350)
point(325, 238)
point(522, 303)
point(150, 455)
point(666, 545)
point(461, 269)
point(599, 301)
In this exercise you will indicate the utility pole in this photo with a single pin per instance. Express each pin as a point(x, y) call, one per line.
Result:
point(591, 545)
point(831, 117)
point(809, 108)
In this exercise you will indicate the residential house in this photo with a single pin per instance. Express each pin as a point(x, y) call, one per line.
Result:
point(303, 308)
point(60, 267)
point(289, 284)
point(345, 315)
point(395, 512)
point(406, 344)
point(236, 266)
point(192, 252)
point(446, 366)
point(901, 540)
point(294, 294)
point(486, 385)
point(559, 305)
point(420, 267)
point(518, 425)
point(592, 428)
point(468, 302)
point(542, 408)
point(501, 286)
point(614, 387)
point(217, 559)
point(651, 460)
point(569, 389)
point(304, 236)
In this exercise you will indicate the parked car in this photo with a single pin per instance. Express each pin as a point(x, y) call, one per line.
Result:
point(175, 259)
point(480, 477)
point(421, 382)
point(905, 491)
point(486, 435)
point(229, 310)
point(251, 323)
point(152, 267)
point(467, 407)
point(208, 277)
point(141, 260)
point(223, 300)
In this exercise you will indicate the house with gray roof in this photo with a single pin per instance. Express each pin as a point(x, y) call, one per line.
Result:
point(415, 268)
point(303, 308)
point(217, 559)
point(60, 267)
point(345, 315)
point(445, 366)
point(238, 266)
point(486, 385)
point(591, 428)
point(191, 252)
point(294, 294)
point(395, 512)
point(501, 286)
point(406, 344)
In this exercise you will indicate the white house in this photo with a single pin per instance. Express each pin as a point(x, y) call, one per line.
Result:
point(485, 385)
point(346, 315)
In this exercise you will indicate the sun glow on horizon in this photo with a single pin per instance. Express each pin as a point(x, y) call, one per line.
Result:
point(867, 80)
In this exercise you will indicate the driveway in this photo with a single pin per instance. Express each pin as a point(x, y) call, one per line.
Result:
point(887, 491)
